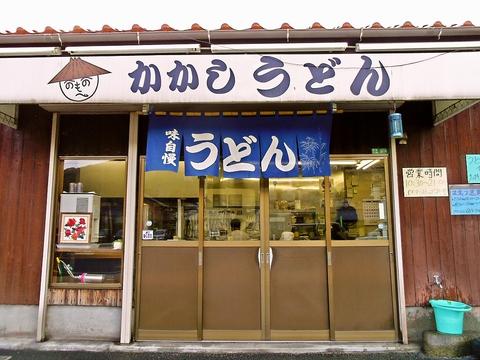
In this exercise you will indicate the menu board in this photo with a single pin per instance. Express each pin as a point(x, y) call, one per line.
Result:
point(373, 211)
point(465, 199)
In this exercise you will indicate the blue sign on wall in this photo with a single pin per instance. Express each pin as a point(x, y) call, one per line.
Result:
point(465, 199)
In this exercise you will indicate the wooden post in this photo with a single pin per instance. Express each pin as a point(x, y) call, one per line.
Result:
point(48, 232)
point(129, 251)
point(398, 243)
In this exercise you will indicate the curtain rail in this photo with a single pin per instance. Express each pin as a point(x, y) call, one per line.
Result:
point(243, 113)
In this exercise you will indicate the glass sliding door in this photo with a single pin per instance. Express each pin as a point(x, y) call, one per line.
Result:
point(298, 286)
point(267, 259)
point(231, 272)
point(167, 296)
point(362, 252)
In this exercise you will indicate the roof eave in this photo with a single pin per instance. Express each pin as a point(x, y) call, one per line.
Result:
point(236, 36)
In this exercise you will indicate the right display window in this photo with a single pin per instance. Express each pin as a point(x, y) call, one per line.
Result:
point(358, 199)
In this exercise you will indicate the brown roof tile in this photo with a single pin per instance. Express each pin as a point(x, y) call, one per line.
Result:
point(225, 26)
point(376, 25)
point(137, 28)
point(316, 25)
point(78, 29)
point(257, 26)
point(21, 31)
point(408, 25)
point(286, 26)
point(108, 28)
point(347, 25)
point(166, 27)
point(438, 24)
point(49, 30)
point(196, 27)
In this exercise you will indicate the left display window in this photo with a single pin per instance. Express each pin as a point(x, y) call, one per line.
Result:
point(90, 223)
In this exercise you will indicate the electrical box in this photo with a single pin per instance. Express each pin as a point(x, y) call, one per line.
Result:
point(83, 203)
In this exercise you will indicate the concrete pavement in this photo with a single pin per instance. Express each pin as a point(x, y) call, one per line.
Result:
point(19, 349)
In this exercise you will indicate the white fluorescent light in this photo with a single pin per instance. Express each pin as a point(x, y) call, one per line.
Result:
point(133, 49)
point(289, 180)
point(418, 46)
point(370, 164)
point(343, 162)
point(242, 179)
point(30, 51)
point(278, 48)
point(363, 163)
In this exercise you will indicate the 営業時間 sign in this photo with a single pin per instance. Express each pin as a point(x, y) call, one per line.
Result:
point(425, 182)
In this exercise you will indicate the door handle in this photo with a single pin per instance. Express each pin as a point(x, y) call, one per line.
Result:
point(270, 257)
point(260, 258)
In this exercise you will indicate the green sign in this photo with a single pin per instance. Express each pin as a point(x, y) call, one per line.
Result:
point(473, 168)
point(379, 151)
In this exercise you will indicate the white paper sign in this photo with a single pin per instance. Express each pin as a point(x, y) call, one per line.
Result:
point(147, 235)
point(425, 182)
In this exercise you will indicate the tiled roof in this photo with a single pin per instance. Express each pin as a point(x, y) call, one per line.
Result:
point(255, 26)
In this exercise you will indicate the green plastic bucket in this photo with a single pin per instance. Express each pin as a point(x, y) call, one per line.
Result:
point(449, 315)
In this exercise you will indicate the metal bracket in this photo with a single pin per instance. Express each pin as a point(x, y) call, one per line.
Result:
point(8, 120)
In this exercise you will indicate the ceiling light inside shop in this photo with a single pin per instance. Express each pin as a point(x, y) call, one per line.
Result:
point(373, 162)
point(343, 162)
point(294, 179)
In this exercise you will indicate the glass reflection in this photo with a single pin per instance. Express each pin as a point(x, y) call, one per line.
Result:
point(297, 209)
point(232, 209)
point(170, 206)
point(358, 206)
point(101, 182)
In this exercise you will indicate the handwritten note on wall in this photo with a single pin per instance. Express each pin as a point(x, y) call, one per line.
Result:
point(465, 199)
point(473, 168)
point(425, 182)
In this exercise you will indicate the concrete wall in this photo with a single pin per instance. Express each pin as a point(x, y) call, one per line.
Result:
point(18, 320)
point(420, 319)
point(63, 322)
point(83, 323)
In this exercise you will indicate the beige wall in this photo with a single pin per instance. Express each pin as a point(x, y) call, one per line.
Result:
point(108, 179)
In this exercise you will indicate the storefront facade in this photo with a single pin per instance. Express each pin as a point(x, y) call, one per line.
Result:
point(268, 245)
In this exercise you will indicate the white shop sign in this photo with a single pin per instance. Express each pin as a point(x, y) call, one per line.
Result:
point(240, 78)
point(425, 182)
